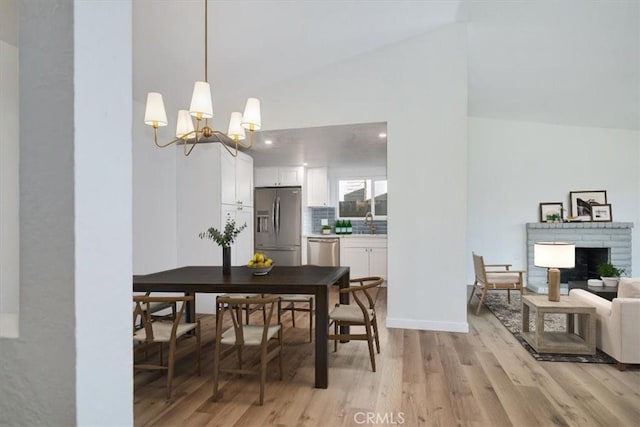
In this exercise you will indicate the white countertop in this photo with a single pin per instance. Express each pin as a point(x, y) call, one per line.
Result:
point(346, 236)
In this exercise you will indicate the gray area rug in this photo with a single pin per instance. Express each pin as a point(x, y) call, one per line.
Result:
point(510, 315)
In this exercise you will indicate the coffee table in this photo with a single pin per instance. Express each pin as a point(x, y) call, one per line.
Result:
point(606, 292)
point(566, 342)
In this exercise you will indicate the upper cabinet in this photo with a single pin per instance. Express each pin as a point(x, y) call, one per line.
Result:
point(279, 176)
point(236, 176)
point(317, 188)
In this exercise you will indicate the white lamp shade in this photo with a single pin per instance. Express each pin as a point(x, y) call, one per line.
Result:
point(235, 126)
point(155, 114)
point(184, 125)
point(554, 254)
point(201, 103)
point(251, 118)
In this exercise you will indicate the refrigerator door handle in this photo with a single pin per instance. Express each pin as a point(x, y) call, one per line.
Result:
point(278, 215)
point(273, 214)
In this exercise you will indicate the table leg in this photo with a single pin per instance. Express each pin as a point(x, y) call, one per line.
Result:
point(191, 308)
point(525, 317)
point(539, 327)
point(571, 328)
point(322, 337)
point(344, 299)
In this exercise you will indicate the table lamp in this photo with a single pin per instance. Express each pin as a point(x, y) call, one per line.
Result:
point(554, 255)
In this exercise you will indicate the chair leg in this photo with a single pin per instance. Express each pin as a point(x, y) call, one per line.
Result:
point(472, 291)
point(311, 321)
point(216, 368)
point(239, 351)
point(484, 292)
point(375, 330)
point(199, 349)
point(335, 332)
point(370, 342)
point(263, 375)
point(293, 314)
point(280, 351)
point(509, 296)
point(170, 370)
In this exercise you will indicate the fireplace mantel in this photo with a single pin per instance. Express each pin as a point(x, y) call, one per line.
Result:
point(616, 236)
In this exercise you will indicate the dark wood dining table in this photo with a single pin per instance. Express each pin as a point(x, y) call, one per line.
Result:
point(311, 280)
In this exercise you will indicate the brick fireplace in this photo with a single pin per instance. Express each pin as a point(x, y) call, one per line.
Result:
point(614, 237)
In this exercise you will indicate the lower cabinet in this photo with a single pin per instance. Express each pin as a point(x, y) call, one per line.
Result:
point(364, 256)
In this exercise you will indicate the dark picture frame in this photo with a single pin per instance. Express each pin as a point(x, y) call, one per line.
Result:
point(549, 210)
point(601, 213)
point(582, 202)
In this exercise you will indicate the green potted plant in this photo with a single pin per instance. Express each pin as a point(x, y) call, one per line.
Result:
point(609, 273)
point(224, 239)
point(326, 229)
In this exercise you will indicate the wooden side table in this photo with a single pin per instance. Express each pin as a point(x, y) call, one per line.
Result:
point(566, 342)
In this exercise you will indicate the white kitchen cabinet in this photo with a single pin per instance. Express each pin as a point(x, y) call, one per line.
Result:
point(236, 177)
point(364, 256)
point(317, 188)
point(278, 176)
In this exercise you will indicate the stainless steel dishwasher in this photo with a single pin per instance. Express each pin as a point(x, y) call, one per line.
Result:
point(323, 251)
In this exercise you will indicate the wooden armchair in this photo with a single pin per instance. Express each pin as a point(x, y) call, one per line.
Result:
point(495, 277)
point(241, 335)
point(156, 333)
point(362, 313)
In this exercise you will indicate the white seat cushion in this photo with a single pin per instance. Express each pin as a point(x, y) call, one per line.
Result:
point(349, 313)
point(252, 334)
point(503, 278)
point(162, 331)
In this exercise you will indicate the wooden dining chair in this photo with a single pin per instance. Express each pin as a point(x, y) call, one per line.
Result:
point(240, 335)
point(287, 303)
point(362, 313)
point(172, 332)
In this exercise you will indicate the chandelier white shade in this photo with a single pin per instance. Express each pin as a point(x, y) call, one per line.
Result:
point(201, 102)
point(184, 125)
point(236, 131)
point(155, 114)
point(201, 109)
point(251, 118)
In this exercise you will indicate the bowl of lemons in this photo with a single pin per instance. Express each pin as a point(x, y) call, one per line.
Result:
point(260, 264)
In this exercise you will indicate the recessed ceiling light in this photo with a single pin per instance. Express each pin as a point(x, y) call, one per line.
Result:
point(268, 141)
point(382, 135)
point(305, 164)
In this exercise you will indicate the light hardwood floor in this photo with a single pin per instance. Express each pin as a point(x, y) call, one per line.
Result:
point(483, 378)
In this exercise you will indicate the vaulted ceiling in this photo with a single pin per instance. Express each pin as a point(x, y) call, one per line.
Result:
point(572, 62)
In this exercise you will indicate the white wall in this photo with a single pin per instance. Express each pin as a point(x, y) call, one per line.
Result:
point(154, 198)
point(9, 178)
point(102, 196)
point(513, 166)
point(75, 220)
point(419, 88)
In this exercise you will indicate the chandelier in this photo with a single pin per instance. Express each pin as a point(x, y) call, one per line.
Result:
point(201, 109)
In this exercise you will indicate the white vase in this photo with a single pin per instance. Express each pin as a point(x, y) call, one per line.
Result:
point(610, 281)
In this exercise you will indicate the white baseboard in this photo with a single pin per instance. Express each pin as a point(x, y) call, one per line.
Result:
point(427, 325)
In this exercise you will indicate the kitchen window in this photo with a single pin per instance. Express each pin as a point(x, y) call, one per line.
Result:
point(356, 197)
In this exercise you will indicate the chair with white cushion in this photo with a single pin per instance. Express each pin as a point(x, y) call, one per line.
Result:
point(240, 335)
point(362, 313)
point(171, 332)
point(495, 277)
point(617, 321)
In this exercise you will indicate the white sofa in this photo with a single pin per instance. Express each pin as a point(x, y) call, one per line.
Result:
point(617, 321)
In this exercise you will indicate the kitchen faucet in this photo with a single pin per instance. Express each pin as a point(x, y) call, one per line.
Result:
point(369, 218)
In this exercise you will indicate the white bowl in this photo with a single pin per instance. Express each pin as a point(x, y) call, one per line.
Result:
point(610, 281)
point(594, 282)
point(260, 271)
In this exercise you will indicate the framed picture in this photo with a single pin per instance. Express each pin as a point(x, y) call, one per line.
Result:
point(601, 213)
point(551, 211)
point(583, 201)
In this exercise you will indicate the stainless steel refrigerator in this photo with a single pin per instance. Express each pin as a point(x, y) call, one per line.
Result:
point(278, 223)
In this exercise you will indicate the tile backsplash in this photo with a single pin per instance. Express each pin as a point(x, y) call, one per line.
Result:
point(313, 221)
